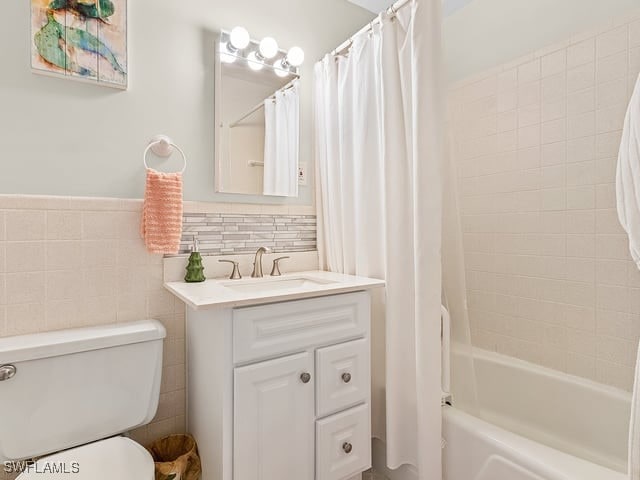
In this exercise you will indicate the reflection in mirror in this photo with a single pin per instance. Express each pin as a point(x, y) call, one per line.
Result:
point(257, 120)
point(281, 142)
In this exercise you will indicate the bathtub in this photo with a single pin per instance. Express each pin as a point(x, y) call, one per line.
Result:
point(532, 423)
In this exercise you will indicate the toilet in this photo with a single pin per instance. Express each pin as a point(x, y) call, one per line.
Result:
point(68, 396)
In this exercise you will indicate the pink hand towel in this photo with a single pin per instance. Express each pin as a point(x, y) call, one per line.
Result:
point(162, 212)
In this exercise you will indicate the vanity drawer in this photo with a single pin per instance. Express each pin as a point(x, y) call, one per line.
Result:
point(342, 376)
point(269, 330)
point(343, 444)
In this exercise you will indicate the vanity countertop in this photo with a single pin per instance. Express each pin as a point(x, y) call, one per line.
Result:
point(254, 291)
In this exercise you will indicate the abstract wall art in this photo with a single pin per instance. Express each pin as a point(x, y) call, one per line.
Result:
point(81, 40)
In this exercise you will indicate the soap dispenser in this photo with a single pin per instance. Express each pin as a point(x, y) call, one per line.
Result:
point(195, 270)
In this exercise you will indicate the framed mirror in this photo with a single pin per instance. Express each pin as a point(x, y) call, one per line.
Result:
point(257, 118)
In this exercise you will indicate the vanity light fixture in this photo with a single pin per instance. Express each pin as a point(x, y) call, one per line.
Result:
point(237, 44)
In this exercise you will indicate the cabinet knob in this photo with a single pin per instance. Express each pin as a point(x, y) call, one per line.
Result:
point(7, 372)
point(347, 447)
point(346, 377)
point(305, 377)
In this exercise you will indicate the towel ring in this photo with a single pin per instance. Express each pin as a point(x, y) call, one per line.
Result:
point(163, 147)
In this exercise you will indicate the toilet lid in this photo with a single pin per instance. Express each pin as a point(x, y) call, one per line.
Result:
point(115, 458)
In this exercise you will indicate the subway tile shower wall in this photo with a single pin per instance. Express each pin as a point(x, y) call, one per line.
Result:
point(232, 233)
point(549, 276)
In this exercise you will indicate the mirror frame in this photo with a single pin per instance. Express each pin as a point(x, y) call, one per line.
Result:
point(217, 118)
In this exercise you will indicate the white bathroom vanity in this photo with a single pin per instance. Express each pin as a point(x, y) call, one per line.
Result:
point(278, 375)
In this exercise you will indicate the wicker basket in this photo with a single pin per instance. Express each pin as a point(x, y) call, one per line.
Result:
point(176, 458)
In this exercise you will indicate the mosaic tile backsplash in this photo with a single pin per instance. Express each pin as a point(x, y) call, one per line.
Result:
point(232, 233)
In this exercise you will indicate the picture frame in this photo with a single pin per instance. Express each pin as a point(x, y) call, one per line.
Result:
point(82, 40)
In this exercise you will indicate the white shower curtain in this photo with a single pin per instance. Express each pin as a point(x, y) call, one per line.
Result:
point(378, 156)
point(281, 142)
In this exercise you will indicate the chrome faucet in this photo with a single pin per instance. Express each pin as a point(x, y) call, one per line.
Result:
point(257, 263)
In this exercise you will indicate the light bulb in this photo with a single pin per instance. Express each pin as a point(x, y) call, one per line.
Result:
point(295, 56)
point(268, 47)
point(254, 63)
point(239, 38)
point(225, 56)
point(280, 70)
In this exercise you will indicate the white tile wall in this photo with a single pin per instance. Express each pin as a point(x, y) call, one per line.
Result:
point(550, 279)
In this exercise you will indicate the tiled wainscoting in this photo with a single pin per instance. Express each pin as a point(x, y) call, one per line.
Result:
point(550, 279)
point(232, 233)
point(68, 263)
point(72, 262)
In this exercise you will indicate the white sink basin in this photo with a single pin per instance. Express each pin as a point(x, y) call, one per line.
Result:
point(254, 291)
point(271, 285)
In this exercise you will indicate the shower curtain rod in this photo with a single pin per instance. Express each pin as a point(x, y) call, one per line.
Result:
point(261, 104)
point(393, 9)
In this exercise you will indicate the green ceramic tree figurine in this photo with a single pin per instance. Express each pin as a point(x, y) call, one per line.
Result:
point(195, 270)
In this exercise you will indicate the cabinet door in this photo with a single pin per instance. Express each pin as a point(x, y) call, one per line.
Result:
point(274, 420)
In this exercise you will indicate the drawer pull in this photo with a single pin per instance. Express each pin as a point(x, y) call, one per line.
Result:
point(346, 377)
point(347, 447)
point(305, 377)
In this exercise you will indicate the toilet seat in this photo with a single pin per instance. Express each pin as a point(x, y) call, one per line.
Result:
point(115, 458)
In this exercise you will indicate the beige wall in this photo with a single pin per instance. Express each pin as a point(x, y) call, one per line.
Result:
point(61, 137)
point(549, 276)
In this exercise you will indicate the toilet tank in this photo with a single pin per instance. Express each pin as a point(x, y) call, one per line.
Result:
point(76, 386)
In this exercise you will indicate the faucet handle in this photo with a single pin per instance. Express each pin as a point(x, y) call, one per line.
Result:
point(236, 270)
point(275, 271)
